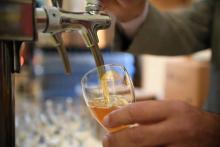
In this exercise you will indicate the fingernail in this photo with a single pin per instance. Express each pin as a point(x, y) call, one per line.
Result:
point(105, 141)
point(106, 121)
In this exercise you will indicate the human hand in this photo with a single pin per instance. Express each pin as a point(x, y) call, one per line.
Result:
point(163, 123)
point(124, 10)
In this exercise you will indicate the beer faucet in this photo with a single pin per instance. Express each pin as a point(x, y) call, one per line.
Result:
point(54, 20)
point(18, 22)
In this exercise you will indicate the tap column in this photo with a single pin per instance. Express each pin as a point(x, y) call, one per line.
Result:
point(7, 116)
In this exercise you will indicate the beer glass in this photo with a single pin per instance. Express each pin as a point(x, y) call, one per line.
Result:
point(105, 89)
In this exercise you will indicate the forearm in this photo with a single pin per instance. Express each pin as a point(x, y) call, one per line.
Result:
point(170, 34)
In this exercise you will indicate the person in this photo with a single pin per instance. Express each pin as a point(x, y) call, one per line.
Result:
point(142, 29)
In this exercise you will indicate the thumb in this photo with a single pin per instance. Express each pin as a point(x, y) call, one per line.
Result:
point(141, 112)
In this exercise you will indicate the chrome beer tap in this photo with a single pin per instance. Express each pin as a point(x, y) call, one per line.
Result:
point(54, 20)
point(19, 22)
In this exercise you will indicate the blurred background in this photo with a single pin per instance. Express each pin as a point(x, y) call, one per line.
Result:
point(50, 111)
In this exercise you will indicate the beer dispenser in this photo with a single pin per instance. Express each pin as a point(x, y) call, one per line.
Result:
point(20, 22)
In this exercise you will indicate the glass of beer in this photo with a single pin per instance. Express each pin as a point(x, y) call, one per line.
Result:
point(107, 88)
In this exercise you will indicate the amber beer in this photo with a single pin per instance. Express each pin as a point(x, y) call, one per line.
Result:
point(112, 90)
point(99, 110)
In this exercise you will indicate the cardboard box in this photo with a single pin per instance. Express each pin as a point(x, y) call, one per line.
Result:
point(187, 80)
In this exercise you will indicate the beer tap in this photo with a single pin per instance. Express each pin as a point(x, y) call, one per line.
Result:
point(19, 22)
point(54, 20)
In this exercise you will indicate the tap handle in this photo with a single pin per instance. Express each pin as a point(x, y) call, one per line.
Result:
point(48, 21)
point(62, 51)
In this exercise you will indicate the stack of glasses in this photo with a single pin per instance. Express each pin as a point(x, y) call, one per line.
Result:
point(54, 125)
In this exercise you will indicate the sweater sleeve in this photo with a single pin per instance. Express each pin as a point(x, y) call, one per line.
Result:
point(171, 33)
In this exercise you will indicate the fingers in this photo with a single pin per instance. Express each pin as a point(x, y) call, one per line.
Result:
point(161, 123)
point(120, 8)
point(117, 5)
point(129, 3)
point(140, 112)
point(143, 135)
point(109, 4)
point(126, 3)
